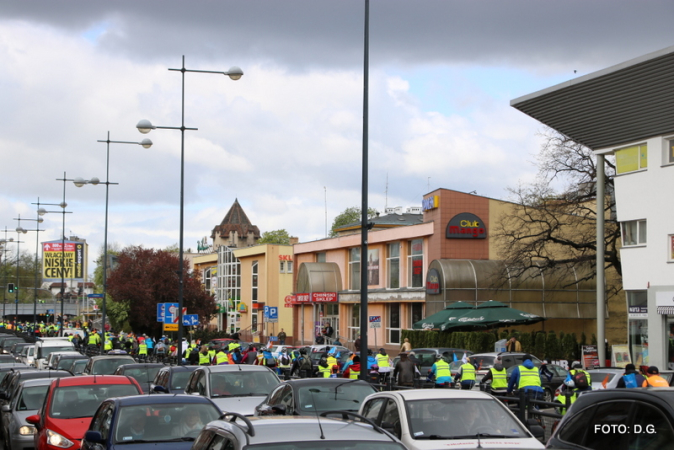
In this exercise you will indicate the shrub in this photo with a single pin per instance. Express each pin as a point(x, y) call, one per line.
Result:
point(539, 345)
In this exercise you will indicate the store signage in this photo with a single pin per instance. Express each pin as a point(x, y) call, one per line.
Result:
point(314, 297)
point(285, 257)
point(431, 202)
point(433, 282)
point(466, 226)
point(637, 312)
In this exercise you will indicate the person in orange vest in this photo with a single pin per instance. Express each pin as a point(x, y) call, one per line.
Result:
point(654, 379)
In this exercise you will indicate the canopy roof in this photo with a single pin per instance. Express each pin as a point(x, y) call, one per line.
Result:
point(628, 102)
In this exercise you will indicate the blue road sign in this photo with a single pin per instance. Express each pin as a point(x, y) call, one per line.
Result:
point(272, 314)
point(95, 295)
point(160, 312)
point(50, 311)
point(190, 320)
point(170, 313)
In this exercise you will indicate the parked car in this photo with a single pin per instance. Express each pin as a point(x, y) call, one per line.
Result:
point(16, 348)
point(106, 364)
point(149, 422)
point(444, 418)
point(618, 419)
point(6, 344)
point(310, 396)
point(30, 394)
point(235, 432)
point(172, 379)
point(70, 404)
point(65, 362)
point(144, 373)
point(27, 355)
point(45, 346)
point(11, 381)
point(78, 366)
point(53, 357)
point(233, 387)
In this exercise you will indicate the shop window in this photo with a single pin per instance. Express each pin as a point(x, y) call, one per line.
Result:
point(669, 151)
point(637, 308)
point(393, 266)
point(634, 232)
point(354, 269)
point(354, 322)
point(631, 159)
point(393, 323)
point(321, 257)
point(415, 263)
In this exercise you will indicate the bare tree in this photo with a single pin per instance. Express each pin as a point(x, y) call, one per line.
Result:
point(553, 222)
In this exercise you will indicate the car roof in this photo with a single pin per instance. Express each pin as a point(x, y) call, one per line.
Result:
point(92, 380)
point(275, 429)
point(234, 368)
point(141, 365)
point(657, 394)
point(430, 394)
point(324, 381)
point(606, 370)
point(179, 368)
point(121, 356)
point(442, 349)
point(144, 399)
point(36, 382)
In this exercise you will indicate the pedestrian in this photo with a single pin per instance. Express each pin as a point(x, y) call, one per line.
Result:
point(631, 378)
point(405, 371)
point(406, 347)
point(302, 366)
point(284, 364)
point(324, 369)
point(356, 344)
point(499, 379)
point(440, 372)
point(526, 377)
point(329, 331)
point(353, 370)
point(654, 379)
point(204, 357)
point(581, 379)
point(237, 357)
point(384, 363)
point(282, 337)
point(467, 374)
point(514, 345)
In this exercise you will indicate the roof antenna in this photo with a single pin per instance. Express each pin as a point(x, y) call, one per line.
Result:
point(318, 418)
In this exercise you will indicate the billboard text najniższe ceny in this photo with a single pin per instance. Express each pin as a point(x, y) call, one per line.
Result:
point(63, 260)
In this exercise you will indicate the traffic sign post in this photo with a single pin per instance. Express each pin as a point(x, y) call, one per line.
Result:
point(271, 314)
point(161, 314)
point(375, 322)
point(190, 320)
point(171, 313)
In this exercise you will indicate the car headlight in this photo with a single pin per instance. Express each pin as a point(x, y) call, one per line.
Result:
point(27, 430)
point(57, 440)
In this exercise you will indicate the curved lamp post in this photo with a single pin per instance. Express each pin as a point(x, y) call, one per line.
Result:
point(3, 243)
point(145, 126)
point(37, 230)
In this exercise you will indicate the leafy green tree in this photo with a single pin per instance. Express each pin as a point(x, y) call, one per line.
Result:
point(349, 215)
point(280, 237)
point(552, 349)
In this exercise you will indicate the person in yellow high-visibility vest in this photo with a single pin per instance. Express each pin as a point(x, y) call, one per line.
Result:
point(221, 358)
point(528, 378)
point(142, 350)
point(384, 363)
point(467, 375)
point(441, 372)
point(324, 369)
point(108, 345)
point(204, 357)
point(499, 379)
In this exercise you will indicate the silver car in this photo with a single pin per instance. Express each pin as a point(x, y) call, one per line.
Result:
point(233, 387)
point(27, 400)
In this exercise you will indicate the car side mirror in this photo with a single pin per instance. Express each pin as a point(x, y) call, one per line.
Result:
point(94, 436)
point(6, 408)
point(278, 409)
point(34, 419)
point(158, 388)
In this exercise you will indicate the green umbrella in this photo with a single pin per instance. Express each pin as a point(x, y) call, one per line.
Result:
point(493, 314)
point(434, 321)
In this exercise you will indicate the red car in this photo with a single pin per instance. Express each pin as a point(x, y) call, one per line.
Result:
point(71, 403)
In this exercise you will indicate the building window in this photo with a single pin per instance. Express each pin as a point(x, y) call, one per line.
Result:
point(289, 267)
point(282, 266)
point(415, 263)
point(670, 247)
point(320, 257)
point(416, 313)
point(393, 323)
point(354, 323)
point(631, 159)
point(393, 266)
point(634, 232)
point(228, 288)
point(354, 269)
point(254, 281)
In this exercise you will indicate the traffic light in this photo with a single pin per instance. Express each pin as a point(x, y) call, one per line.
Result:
point(10, 288)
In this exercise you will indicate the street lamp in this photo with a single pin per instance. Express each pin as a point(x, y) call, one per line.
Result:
point(145, 126)
point(39, 220)
point(79, 182)
point(4, 243)
point(19, 230)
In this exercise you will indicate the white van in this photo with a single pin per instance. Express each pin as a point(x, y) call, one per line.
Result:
point(45, 346)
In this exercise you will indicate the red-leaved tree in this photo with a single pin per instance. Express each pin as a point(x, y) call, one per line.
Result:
point(145, 277)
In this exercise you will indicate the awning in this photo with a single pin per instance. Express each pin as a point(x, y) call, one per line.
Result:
point(665, 309)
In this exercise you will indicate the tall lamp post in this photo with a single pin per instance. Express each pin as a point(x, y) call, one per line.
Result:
point(145, 126)
point(18, 241)
point(79, 182)
point(19, 229)
point(4, 243)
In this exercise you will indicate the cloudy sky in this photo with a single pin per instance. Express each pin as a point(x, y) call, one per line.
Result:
point(286, 139)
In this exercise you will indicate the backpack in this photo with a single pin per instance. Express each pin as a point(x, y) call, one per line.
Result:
point(284, 359)
point(630, 380)
point(305, 363)
point(580, 380)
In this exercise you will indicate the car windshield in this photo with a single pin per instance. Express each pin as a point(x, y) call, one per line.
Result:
point(46, 351)
point(163, 422)
point(179, 379)
point(438, 419)
point(599, 377)
point(72, 402)
point(78, 366)
point(345, 396)
point(483, 362)
point(142, 374)
point(242, 383)
point(107, 366)
point(31, 398)
point(325, 445)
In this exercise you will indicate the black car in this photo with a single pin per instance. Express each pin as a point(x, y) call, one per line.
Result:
point(311, 396)
point(618, 419)
point(65, 362)
point(143, 373)
point(6, 344)
point(172, 379)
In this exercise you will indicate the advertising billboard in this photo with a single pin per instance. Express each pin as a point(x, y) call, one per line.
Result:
point(63, 260)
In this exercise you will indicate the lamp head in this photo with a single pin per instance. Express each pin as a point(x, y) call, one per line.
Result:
point(145, 126)
point(40, 220)
point(234, 73)
point(146, 143)
point(41, 211)
point(63, 205)
point(94, 181)
point(79, 182)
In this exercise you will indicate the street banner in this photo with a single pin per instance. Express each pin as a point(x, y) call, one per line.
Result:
point(590, 357)
point(620, 356)
point(63, 260)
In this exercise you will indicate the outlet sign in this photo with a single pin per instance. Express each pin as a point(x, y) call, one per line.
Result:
point(466, 226)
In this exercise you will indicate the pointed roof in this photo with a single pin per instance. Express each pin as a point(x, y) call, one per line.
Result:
point(235, 220)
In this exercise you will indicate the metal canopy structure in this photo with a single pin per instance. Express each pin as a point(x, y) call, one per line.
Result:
point(624, 103)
